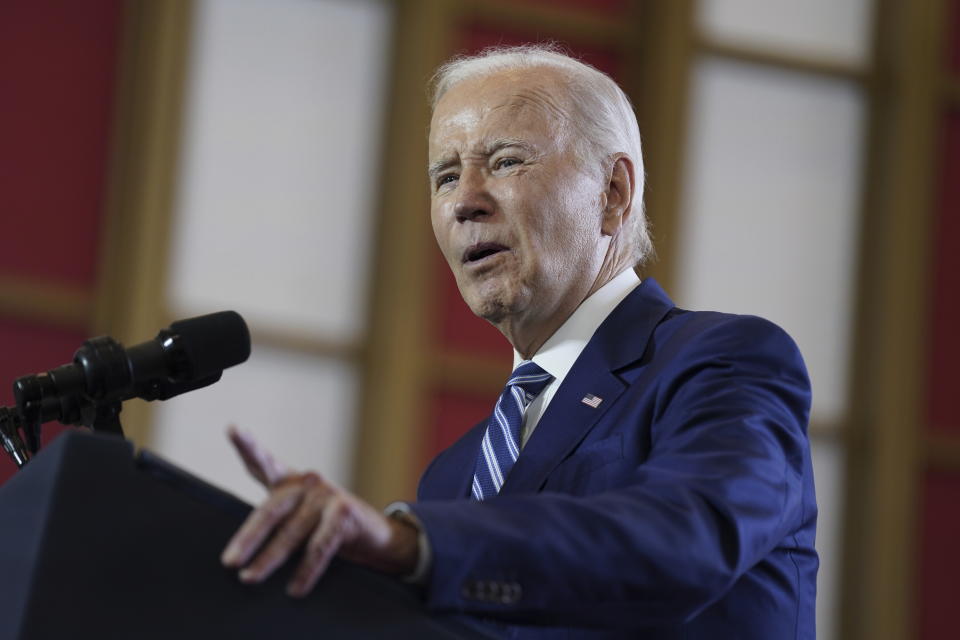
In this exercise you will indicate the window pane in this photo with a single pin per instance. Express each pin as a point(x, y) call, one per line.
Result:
point(280, 164)
point(301, 407)
point(818, 28)
point(769, 220)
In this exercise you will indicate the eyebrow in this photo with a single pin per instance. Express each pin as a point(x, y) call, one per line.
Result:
point(490, 149)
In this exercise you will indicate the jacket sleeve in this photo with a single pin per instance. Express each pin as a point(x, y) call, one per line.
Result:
point(720, 488)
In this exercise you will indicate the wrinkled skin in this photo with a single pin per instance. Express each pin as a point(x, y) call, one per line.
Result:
point(305, 511)
point(505, 177)
point(529, 228)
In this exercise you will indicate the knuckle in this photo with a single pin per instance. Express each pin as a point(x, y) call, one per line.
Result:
point(316, 499)
point(323, 547)
point(311, 478)
point(287, 537)
point(274, 510)
point(339, 507)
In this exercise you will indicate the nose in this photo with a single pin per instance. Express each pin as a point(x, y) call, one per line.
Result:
point(474, 201)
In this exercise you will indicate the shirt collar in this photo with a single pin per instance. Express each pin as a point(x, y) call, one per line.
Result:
point(558, 354)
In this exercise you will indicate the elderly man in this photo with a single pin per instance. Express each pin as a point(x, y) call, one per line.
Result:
point(646, 470)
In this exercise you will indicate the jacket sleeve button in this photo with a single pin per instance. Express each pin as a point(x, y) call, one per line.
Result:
point(511, 593)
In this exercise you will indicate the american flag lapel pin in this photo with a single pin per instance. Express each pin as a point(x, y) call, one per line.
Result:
point(591, 400)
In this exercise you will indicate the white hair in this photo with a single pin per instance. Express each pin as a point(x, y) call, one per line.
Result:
point(603, 113)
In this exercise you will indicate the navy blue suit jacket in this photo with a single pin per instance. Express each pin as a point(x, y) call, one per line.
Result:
point(681, 507)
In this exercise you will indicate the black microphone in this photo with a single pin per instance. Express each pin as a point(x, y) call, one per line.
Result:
point(188, 355)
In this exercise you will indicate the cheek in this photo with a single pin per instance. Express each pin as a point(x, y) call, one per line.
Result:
point(557, 221)
point(571, 234)
point(570, 222)
point(440, 231)
point(436, 217)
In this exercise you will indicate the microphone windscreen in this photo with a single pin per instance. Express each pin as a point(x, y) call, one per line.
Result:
point(213, 342)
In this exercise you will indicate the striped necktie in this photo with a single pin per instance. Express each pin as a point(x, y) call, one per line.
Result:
point(501, 442)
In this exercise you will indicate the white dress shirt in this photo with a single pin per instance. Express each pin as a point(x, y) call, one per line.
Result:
point(558, 354)
point(556, 357)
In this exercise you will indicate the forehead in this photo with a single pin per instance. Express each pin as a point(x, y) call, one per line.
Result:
point(523, 103)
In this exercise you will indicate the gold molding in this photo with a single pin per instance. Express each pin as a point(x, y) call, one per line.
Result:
point(781, 60)
point(829, 432)
point(941, 451)
point(576, 24)
point(469, 373)
point(951, 90)
point(881, 503)
point(130, 301)
point(298, 342)
point(662, 110)
point(392, 418)
point(46, 301)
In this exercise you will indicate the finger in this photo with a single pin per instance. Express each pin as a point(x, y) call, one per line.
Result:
point(246, 447)
point(257, 459)
point(260, 523)
point(323, 545)
point(291, 534)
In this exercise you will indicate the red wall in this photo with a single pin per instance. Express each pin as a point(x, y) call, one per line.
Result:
point(939, 527)
point(57, 74)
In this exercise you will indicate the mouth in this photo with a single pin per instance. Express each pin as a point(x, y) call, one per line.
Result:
point(481, 251)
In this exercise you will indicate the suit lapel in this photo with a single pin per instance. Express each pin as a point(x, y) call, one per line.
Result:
point(564, 424)
point(619, 341)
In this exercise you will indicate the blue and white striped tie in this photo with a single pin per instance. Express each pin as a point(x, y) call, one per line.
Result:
point(501, 442)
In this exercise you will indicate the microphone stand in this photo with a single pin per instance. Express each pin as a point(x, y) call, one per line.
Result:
point(81, 410)
point(10, 425)
point(107, 418)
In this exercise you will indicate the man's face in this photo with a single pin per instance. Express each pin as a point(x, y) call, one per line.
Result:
point(515, 214)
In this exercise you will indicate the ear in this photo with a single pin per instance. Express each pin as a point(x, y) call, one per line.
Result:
point(618, 195)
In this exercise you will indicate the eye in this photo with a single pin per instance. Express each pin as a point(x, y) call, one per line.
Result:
point(446, 178)
point(505, 163)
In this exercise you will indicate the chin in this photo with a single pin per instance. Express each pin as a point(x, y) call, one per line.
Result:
point(493, 303)
point(490, 309)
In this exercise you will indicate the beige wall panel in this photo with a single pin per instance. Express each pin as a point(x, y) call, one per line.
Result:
point(301, 407)
point(277, 182)
point(837, 30)
point(769, 219)
point(279, 172)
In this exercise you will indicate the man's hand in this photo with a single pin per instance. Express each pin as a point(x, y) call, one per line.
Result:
point(304, 511)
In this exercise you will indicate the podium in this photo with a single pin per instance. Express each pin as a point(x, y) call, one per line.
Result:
point(97, 543)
